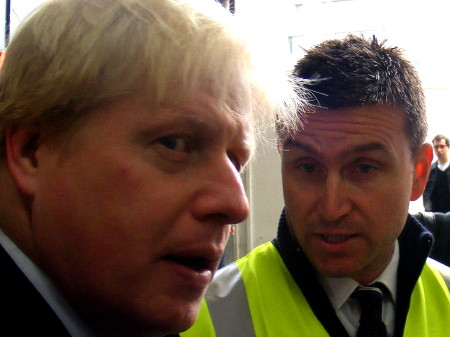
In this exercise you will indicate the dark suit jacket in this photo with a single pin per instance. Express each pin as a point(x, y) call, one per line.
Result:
point(25, 312)
point(428, 205)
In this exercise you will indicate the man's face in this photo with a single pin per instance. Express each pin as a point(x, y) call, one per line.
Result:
point(131, 217)
point(347, 180)
point(441, 150)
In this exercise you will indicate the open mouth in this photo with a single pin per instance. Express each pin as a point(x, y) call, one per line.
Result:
point(197, 264)
point(334, 239)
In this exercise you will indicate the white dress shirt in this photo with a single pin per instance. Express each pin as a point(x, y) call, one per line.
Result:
point(347, 308)
point(444, 166)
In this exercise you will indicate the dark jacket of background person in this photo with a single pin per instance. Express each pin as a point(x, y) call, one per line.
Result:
point(427, 203)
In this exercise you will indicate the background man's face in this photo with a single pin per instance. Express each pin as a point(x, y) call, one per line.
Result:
point(347, 180)
point(441, 149)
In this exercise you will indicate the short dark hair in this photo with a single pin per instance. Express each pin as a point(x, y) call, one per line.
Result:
point(440, 137)
point(356, 72)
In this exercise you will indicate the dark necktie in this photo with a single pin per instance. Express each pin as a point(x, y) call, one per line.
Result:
point(370, 298)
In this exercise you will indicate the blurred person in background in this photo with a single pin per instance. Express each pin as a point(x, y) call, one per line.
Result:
point(436, 197)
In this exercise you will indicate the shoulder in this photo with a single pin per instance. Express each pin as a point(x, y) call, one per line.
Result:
point(225, 281)
point(253, 266)
point(442, 269)
point(17, 290)
point(12, 277)
point(229, 276)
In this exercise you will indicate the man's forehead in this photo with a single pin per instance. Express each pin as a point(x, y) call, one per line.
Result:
point(354, 129)
point(355, 146)
point(382, 117)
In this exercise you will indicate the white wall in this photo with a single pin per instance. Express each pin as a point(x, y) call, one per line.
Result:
point(265, 192)
point(20, 9)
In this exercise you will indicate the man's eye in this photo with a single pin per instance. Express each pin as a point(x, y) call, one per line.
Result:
point(173, 143)
point(366, 168)
point(308, 168)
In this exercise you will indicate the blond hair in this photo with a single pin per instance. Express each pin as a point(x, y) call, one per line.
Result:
point(70, 56)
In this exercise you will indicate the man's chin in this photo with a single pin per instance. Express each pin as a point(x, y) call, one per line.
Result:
point(181, 319)
point(146, 329)
point(336, 269)
point(150, 322)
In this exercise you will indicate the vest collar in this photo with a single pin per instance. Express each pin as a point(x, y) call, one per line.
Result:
point(415, 244)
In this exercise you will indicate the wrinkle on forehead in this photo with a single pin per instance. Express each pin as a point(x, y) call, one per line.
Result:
point(341, 132)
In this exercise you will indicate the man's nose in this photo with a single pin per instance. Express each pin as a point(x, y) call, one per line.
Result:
point(334, 202)
point(221, 198)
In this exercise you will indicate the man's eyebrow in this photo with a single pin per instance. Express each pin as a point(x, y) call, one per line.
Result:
point(290, 142)
point(369, 147)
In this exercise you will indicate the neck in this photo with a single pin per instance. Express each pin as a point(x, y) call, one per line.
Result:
point(443, 160)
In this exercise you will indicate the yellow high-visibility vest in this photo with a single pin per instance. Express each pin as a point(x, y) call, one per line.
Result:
point(277, 307)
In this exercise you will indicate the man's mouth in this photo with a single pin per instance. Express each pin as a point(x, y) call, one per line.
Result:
point(335, 239)
point(197, 264)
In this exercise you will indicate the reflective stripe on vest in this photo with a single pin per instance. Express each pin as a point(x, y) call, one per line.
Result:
point(225, 305)
point(279, 309)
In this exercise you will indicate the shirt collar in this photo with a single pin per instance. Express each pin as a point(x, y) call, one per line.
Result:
point(339, 289)
point(71, 320)
point(444, 166)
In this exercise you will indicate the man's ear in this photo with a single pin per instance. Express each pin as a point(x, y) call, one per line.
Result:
point(422, 166)
point(21, 144)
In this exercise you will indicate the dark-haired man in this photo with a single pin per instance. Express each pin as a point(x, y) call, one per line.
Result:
point(348, 259)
